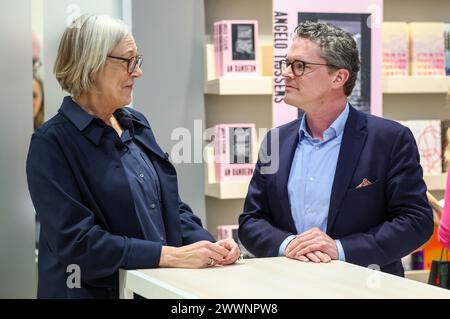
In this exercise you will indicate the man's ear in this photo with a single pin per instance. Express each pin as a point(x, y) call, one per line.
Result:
point(340, 78)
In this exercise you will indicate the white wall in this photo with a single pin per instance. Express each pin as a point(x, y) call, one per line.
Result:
point(170, 34)
point(56, 14)
point(17, 265)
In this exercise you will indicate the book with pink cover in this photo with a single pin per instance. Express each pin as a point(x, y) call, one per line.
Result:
point(237, 42)
point(226, 231)
point(395, 49)
point(427, 134)
point(447, 48)
point(234, 151)
point(427, 48)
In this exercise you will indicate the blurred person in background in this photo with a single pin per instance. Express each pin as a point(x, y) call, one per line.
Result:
point(444, 224)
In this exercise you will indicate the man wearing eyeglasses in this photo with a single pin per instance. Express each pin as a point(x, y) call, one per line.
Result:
point(349, 185)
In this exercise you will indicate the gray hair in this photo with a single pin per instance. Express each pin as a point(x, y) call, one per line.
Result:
point(83, 50)
point(337, 47)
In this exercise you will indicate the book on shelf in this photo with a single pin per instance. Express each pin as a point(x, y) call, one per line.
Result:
point(235, 48)
point(427, 48)
point(395, 49)
point(226, 231)
point(217, 48)
point(427, 134)
point(234, 151)
point(447, 48)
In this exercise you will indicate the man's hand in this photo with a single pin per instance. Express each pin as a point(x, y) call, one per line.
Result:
point(233, 251)
point(312, 245)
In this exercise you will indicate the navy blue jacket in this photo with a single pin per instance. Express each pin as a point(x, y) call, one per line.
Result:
point(377, 224)
point(82, 197)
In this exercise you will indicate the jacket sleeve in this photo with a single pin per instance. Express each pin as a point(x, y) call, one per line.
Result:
point(409, 220)
point(444, 224)
point(69, 227)
point(256, 227)
point(191, 226)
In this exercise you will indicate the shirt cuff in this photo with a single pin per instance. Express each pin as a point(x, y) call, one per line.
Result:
point(284, 245)
point(341, 253)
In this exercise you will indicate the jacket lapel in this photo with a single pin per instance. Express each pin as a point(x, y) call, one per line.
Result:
point(145, 136)
point(353, 140)
point(288, 145)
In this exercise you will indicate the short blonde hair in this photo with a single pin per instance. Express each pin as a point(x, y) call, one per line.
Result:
point(83, 50)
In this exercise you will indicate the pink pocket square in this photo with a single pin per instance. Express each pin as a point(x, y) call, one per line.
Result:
point(365, 182)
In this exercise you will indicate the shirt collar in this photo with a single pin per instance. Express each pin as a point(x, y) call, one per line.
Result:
point(72, 111)
point(336, 129)
point(93, 127)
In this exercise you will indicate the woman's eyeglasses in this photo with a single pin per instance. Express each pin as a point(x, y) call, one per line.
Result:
point(132, 62)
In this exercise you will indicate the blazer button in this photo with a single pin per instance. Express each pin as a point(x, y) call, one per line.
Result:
point(152, 206)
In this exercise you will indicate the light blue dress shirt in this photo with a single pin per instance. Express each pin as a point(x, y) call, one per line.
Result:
point(311, 178)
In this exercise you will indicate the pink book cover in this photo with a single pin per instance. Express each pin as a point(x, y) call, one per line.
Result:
point(395, 49)
point(225, 231)
point(427, 48)
point(427, 134)
point(234, 151)
point(362, 18)
point(239, 48)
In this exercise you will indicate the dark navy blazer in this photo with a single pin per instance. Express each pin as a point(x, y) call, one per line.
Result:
point(377, 224)
point(81, 194)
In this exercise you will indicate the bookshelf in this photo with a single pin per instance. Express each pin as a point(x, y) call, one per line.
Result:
point(223, 190)
point(416, 85)
point(238, 190)
point(413, 98)
point(242, 86)
point(418, 275)
point(234, 100)
point(436, 182)
point(249, 99)
point(263, 86)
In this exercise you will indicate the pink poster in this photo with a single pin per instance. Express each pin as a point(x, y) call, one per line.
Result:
point(362, 18)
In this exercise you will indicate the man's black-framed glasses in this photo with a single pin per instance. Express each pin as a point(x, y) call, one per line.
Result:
point(298, 67)
point(132, 62)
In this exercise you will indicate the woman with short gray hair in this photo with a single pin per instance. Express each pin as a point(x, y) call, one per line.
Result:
point(105, 192)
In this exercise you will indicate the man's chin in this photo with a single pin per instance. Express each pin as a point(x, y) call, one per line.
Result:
point(290, 102)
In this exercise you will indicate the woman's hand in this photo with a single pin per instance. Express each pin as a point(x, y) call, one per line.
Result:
point(201, 254)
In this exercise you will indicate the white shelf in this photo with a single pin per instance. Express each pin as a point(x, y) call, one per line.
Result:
point(235, 190)
point(245, 85)
point(263, 85)
point(223, 190)
point(240, 86)
point(435, 182)
point(411, 85)
point(227, 190)
point(418, 275)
